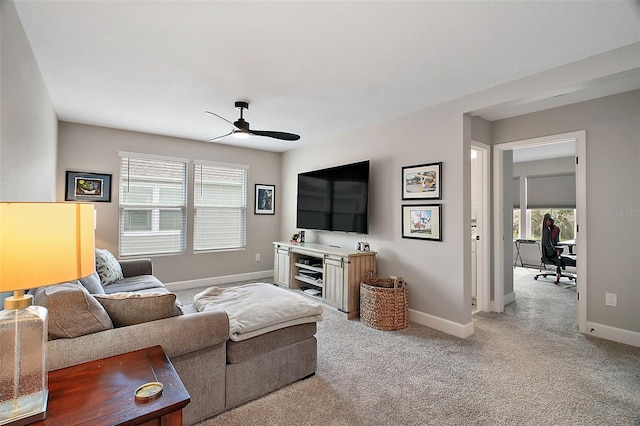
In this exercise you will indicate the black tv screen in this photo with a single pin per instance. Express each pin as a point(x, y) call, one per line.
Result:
point(335, 199)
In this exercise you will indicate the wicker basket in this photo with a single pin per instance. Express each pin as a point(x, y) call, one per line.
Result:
point(384, 303)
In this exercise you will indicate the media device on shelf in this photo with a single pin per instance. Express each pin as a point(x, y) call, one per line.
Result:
point(335, 199)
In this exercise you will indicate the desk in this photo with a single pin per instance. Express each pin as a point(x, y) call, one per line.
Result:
point(102, 392)
point(569, 243)
point(519, 242)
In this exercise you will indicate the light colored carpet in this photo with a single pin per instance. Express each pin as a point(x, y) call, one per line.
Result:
point(526, 366)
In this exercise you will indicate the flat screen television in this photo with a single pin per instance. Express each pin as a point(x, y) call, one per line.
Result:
point(335, 199)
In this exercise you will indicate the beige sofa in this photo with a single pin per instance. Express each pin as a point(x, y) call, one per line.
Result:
point(218, 373)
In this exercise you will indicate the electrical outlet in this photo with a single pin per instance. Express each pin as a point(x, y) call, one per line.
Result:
point(257, 257)
point(611, 299)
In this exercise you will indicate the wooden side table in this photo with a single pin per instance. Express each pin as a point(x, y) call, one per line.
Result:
point(102, 392)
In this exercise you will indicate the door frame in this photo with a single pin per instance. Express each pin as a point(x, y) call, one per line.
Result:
point(581, 216)
point(483, 221)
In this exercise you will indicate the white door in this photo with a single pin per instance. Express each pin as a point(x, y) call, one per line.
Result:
point(480, 216)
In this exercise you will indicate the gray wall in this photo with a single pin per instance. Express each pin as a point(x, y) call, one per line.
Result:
point(28, 123)
point(95, 149)
point(437, 271)
point(544, 167)
point(613, 195)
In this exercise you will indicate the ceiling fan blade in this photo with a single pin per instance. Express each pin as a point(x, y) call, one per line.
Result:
point(221, 117)
point(276, 135)
point(220, 137)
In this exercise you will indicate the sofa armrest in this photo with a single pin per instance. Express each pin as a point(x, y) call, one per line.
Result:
point(177, 335)
point(134, 267)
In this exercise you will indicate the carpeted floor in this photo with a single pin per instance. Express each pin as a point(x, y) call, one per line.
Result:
point(526, 366)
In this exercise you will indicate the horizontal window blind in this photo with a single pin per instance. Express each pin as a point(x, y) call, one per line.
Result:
point(220, 204)
point(153, 206)
point(553, 191)
point(516, 193)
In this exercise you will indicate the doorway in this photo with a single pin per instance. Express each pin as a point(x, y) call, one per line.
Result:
point(503, 275)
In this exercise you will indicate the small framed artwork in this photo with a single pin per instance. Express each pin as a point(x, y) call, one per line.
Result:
point(84, 186)
point(265, 199)
point(422, 222)
point(422, 181)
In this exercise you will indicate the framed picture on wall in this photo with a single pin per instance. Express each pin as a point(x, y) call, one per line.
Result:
point(265, 199)
point(422, 222)
point(422, 181)
point(85, 186)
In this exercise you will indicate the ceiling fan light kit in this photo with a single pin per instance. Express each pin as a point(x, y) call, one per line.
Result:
point(241, 135)
point(241, 129)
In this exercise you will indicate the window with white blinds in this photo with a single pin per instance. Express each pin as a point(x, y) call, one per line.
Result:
point(153, 205)
point(220, 206)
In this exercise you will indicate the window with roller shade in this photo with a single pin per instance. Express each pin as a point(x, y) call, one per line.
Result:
point(555, 191)
point(220, 206)
point(153, 205)
point(555, 194)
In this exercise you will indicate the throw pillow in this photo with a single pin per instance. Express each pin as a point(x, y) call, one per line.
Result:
point(108, 267)
point(135, 308)
point(73, 312)
point(92, 283)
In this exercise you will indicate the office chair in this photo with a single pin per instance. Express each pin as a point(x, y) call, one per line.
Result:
point(552, 253)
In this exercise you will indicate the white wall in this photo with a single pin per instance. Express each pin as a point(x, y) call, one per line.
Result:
point(95, 149)
point(28, 123)
point(437, 272)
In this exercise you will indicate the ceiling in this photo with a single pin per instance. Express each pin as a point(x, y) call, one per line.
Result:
point(318, 69)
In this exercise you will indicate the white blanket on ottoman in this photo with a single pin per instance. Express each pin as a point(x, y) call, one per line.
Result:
point(259, 308)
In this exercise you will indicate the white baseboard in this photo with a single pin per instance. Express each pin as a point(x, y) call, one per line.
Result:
point(459, 330)
point(612, 333)
point(211, 281)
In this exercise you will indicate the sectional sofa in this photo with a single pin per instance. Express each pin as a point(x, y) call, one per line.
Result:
point(218, 373)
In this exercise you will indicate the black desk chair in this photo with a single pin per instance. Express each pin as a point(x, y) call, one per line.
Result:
point(552, 252)
point(560, 261)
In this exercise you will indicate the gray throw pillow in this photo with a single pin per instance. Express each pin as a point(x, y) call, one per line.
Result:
point(108, 267)
point(92, 283)
point(73, 312)
point(135, 308)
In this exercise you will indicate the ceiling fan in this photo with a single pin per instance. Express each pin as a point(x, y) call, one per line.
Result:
point(241, 128)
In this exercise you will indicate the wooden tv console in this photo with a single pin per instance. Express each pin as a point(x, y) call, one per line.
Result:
point(333, 273)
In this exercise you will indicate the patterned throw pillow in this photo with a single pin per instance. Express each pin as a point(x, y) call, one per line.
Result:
point(108, 267)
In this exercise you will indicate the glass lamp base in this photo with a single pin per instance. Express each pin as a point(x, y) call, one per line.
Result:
point(23, 377)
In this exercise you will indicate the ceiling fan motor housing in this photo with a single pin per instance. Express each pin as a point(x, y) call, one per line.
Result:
point(241, 124)
point(242, 104)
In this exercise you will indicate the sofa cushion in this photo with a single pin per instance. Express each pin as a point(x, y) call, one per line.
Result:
point(134, 284)
point(92, 283)
point(108, 267)
point(135, 308)
point(72, 310)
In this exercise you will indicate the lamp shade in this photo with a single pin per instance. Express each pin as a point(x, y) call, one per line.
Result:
point(45, 243)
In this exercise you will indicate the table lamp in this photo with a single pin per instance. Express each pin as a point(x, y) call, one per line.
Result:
point(40, 244)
